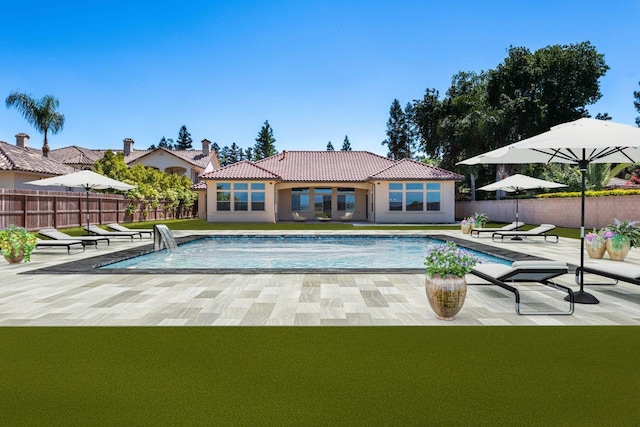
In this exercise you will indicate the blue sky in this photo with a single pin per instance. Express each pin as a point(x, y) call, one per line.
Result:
point(317, 70)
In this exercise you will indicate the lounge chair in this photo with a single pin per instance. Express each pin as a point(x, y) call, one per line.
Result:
point(509, 227)
point(52, 233)
point(348, 216)
point(59, 244)
point(298, 217)
point(95, 230)
point(615, 271)
point(118, 227)
point(525, 271)
point(541, 230)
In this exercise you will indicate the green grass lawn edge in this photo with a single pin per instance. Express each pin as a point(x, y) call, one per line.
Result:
point(319, 376)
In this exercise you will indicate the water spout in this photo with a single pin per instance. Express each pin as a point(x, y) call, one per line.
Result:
point(163, 238)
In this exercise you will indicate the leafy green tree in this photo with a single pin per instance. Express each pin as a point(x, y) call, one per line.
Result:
point(166, 143)
point(265, 143)
point(184, 139)
point(40, 113)
point(346, 145)
point(112, 165)
point(330, 146)
point(636, 103)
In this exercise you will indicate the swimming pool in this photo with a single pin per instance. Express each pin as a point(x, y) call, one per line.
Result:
point(293, 253)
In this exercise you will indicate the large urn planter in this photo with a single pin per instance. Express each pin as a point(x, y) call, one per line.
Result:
point(16, 258)
point(618, 250)
point(466, 228)
point(446, 295)
point(595, 250)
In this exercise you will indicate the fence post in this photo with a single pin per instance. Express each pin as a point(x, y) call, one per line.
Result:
point(24, 211)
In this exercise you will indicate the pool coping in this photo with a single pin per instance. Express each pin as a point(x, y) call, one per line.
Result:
point(92, 265)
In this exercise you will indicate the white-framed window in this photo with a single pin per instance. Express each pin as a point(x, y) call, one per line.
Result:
point(246, 197)
point(411, 196)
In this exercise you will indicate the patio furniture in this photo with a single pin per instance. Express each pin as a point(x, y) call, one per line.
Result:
point(117, 227)
point(94, 229)
point(52, 233)
point(298, 217)
point(509, 227)
point(616, 271)
point(60, 244)
point(348, 216)
point(542, 272)
point(541, 230)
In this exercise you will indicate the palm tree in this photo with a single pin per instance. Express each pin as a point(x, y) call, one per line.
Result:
point(41, 113)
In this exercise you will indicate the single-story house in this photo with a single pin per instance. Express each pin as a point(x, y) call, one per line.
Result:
point(325, 185)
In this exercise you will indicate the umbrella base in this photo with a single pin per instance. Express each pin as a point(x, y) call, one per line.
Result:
point(517, 238)
point(582, 297)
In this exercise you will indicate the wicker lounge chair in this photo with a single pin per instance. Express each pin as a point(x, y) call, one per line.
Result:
point(542, 272)
point(541, 230)
point(118, 227)
point(509, 227)
point(52, 233)
point(95, 230)
point(60, 244)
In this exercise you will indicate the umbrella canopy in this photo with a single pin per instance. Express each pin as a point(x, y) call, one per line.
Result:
point(517, 183)
point(580, 142)
point(84, 179)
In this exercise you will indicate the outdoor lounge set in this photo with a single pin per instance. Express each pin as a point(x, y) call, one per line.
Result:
point(58, 239)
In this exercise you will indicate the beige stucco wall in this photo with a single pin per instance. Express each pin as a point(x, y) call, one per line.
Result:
point(162, 160)
point(563, 212)
point(16, 180)
point(445, 216)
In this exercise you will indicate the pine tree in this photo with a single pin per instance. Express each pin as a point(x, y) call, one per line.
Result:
point(396, 132)
point(330, 146)
point(235, 153)
point(248, 154)
point(166, 143)
point(184, 139)
point(265, 143)
point(346, 145)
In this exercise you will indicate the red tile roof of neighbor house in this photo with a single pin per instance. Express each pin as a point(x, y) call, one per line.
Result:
point(331, 166)
point(28, 159)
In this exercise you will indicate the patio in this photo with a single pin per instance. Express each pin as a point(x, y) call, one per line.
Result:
point(290, 299)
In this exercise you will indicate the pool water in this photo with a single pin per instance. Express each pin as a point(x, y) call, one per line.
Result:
point(294, 252)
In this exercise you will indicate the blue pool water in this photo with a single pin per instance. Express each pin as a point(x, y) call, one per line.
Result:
point(294, 252)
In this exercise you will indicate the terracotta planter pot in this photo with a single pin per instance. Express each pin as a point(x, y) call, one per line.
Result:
point(446, 295)
point(618, 254)
point(595, 251)
point(15, 259)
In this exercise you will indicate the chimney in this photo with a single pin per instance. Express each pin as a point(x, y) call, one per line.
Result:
point(22, 140)
point(284, 154)
point(205, 147)
point(128, 146)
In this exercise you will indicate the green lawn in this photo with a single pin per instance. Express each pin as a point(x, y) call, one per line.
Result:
point(320, 376)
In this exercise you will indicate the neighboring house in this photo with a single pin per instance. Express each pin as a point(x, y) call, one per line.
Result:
point(182, 162)
point(20, 163)
point(327, 184)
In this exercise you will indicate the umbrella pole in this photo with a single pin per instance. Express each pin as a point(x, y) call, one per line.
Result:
point(88, 216)
point(516, 237)
point(581, 296)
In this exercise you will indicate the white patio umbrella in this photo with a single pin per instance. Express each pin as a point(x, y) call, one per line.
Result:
point(88, 180)
point(580, 142)
point(518, 183)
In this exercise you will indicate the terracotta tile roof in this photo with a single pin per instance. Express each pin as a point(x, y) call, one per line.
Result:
point(75, 155)
point(195, 157)
point(199, 186)
point(325, 166)
point(410, 169)
point(14, 158)
point(241, 170)
point(331, 166)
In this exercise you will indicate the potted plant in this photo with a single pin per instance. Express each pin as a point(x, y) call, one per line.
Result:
point(17, 244)
point(480, 220)
point(466, 225)
point(621, 237)
point(595, 244)
point(445, 283)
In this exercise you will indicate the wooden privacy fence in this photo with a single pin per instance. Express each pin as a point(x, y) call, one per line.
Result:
point(36, 209)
